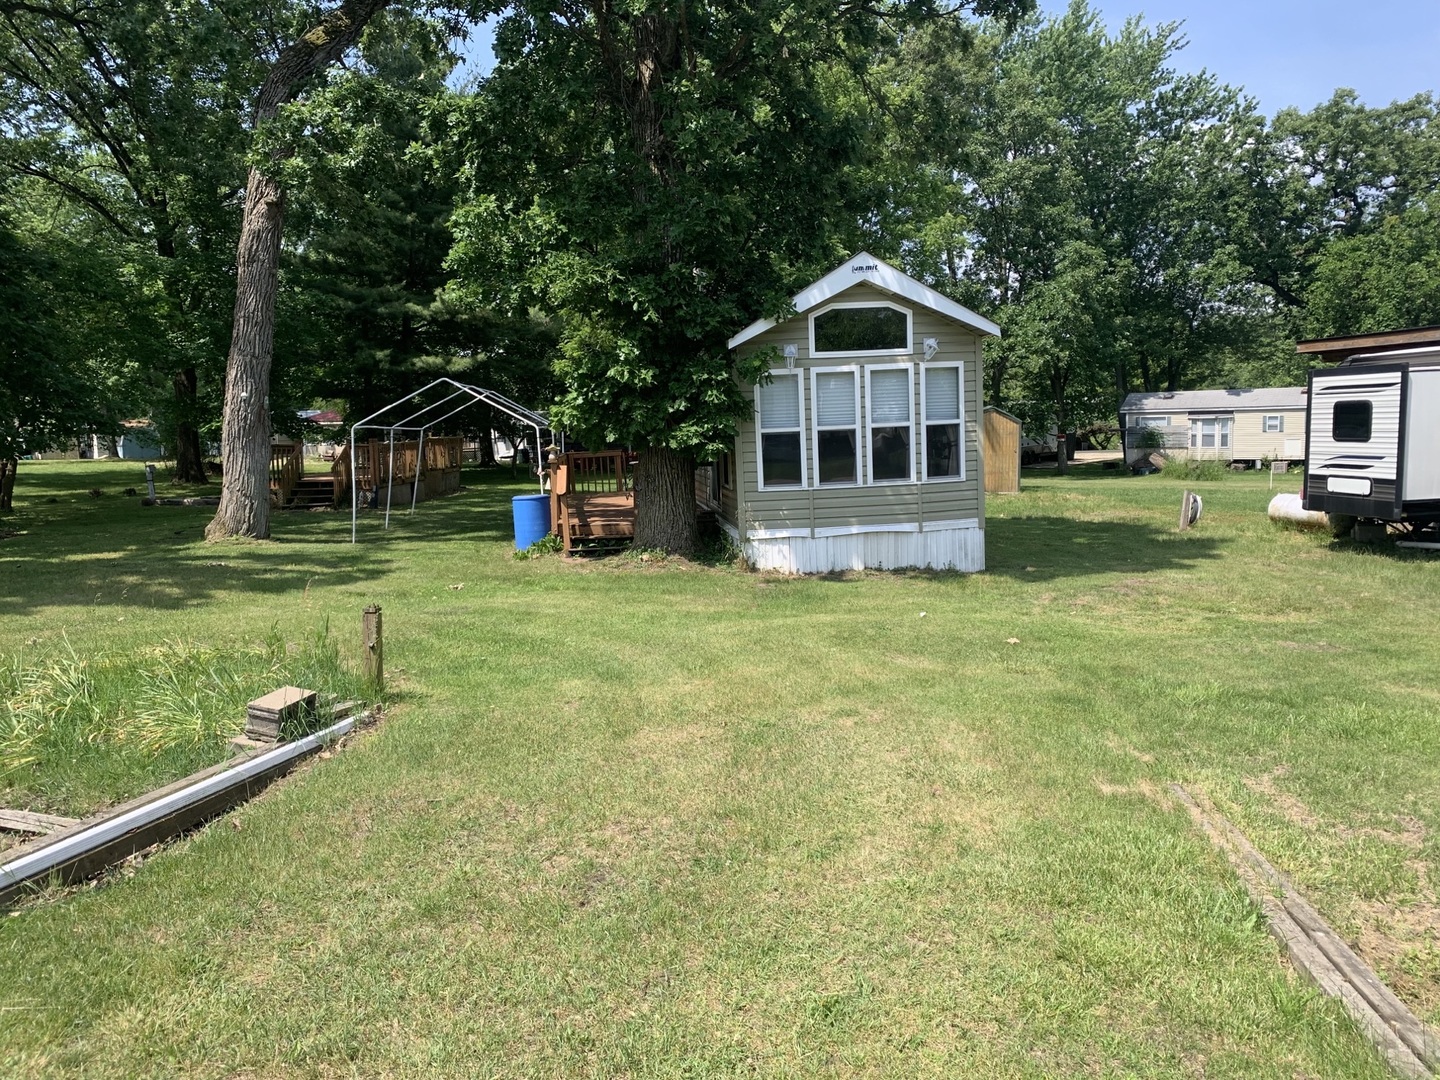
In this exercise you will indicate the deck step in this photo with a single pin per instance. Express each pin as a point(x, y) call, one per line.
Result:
point(312, 493)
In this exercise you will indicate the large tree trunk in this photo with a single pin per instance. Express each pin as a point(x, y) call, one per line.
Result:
point(245, 438)
point(7, 483)
point(189, 456)
point(1062, 445)
point(245, 428)
point(665, 501)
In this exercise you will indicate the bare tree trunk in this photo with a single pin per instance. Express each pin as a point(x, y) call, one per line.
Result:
point(189, 456)
point(7, 483)
point(245, 433)
point(1062, 444)
point(665, 501)
point(245, 438)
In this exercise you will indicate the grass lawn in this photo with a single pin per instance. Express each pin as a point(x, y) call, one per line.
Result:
point(650, 819)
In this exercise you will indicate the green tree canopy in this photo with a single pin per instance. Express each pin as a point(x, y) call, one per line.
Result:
point(1075, 193)
point(657, 176)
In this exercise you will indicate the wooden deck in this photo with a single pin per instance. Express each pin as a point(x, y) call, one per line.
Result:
point(592, 501)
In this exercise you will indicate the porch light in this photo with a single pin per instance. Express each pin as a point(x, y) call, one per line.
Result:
point(932, 346)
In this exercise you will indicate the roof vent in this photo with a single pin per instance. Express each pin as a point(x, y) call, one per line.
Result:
point(1167, 397)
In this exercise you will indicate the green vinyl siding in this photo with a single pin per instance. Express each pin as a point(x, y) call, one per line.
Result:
point(862, 505)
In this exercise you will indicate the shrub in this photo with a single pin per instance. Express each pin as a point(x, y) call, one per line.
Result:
point(1150, 438)
point(549, 544)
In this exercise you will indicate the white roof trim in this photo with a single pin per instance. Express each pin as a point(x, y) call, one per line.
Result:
point(865, 267)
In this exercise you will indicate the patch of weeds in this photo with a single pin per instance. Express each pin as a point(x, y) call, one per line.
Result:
point(78, 731)
point(720, 550)
point(1191, 469)
point(549, 544)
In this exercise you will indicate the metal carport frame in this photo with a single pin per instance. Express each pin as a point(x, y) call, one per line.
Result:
point(471, 395)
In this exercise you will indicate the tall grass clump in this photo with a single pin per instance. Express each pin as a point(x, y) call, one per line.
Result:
point(1181, 468)
point(78, 732)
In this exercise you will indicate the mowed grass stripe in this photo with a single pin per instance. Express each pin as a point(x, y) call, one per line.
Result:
point(628, 819)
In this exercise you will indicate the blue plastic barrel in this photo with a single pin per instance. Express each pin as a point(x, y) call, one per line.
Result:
point(532, 519)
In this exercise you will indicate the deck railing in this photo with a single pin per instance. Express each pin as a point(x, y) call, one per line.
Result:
point(287, 466)
point(592, 499)
point(438, 474)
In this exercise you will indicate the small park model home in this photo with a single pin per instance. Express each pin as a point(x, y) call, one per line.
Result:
point(863, 448)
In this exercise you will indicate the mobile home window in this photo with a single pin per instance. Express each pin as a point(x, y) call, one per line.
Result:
point(1351, 421)
point(860, 329)
point(889, 394)
point(1149, 421)
point(836, 398)
point(778, 403)
point(1211, 434)
point(1274, 424)
point(944, 450)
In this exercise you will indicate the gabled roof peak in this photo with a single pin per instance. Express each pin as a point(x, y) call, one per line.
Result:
point(867, 268)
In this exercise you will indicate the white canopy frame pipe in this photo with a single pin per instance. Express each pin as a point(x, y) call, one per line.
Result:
point(473, 395)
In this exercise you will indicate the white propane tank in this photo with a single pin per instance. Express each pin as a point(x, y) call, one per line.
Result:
point(1289, 509)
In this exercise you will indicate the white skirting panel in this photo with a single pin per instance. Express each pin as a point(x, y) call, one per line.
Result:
point(942, 549)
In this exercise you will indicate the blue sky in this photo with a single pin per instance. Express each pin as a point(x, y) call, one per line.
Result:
point(1296, 52)
point(1283, 52)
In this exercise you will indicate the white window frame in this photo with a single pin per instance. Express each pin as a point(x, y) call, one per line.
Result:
point(925, 477)
point(1149, 420)
point(761, 432)
point(1278, 429)
point(906, 350)
point(857, 371)
point(1224, 426)
point(909, 370)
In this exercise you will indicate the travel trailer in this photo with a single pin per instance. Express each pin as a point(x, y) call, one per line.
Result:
point(1373, 428)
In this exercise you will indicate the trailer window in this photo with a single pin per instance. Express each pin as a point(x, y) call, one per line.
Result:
point(778, 403)
point(1351, 421)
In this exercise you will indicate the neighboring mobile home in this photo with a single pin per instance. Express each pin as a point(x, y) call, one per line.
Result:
point(863, 448)
point(1227, 425)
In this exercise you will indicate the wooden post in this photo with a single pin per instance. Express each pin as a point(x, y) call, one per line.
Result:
point(1190, 507)
point(374, 647)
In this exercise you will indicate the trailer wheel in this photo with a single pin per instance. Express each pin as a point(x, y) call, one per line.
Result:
point(1342, 525)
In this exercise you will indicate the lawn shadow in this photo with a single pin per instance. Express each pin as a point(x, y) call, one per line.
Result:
point(77, 550)
point(1045, 548)
point(100, 572)
point(1089, 470)
point(479, 511)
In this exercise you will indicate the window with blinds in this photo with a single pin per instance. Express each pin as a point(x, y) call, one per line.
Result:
point(836, 399)
point(889, 393)
point(778, 408)
point(944, 424)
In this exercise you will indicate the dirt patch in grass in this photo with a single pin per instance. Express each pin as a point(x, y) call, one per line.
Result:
point(1287, 805)
point(1402, 943)
point(1410, 834)
point(1400, 939)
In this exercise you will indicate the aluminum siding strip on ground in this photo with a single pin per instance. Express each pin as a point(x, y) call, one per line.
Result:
point(41, 861)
